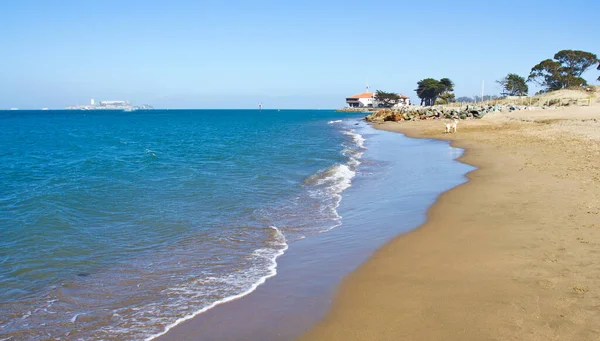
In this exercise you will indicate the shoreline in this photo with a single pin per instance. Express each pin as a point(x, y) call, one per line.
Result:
point(288, 304)
point(508, 255)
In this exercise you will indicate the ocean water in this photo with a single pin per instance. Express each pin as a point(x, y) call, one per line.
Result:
point(118, 226)
point(397, 180)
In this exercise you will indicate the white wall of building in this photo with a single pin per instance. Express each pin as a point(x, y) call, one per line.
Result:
point(366, 102)
point(371, 102)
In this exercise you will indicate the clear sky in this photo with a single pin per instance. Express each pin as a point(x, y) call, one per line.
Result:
point(286, 54)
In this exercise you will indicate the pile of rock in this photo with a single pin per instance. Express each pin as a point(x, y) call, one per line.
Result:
point(413, 113)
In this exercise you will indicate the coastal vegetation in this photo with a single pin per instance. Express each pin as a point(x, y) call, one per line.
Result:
point(430, 90)
point(447, 95)
point(387, 99)
point(513, 85)
point(564, 71)
point(466, 109)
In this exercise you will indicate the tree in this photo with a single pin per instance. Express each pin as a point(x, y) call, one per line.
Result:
point(513, 85)
point(387, 99)
point(598, 69)
point(576, 62)
point(430, 89)
point(448, 84)
point(446, 96)
point(563, 72)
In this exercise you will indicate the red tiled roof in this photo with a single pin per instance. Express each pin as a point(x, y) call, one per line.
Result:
point(371, 95)
point(364, 95)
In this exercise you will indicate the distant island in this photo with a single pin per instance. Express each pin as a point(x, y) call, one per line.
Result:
point(110, 105)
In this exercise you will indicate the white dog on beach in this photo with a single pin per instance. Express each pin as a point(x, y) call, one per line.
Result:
point(451, 127)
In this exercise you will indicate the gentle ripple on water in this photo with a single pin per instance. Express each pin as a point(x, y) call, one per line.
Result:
point(117, 225)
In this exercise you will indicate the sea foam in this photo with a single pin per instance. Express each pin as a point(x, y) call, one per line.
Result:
point(267, 254)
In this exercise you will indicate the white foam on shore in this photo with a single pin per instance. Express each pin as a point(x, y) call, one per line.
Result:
point(339, 179)
point(332, 182)
point(268, 253)
point(358, 139)
point(336, 177)
point(327, 185)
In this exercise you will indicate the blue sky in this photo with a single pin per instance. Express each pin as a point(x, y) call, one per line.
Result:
point(303, 54)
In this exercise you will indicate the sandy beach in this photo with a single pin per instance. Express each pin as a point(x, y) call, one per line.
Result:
point(513, 254)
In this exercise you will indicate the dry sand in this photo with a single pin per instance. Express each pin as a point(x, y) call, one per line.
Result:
point(514, 254)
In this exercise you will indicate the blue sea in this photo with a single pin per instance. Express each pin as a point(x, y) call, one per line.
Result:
point(122, 225)
point(115, 225)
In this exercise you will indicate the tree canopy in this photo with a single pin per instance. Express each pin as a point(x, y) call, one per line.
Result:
point(598, 69)
point(563, 72)
point(446, 96)
point(387, 99)
point(448, 84)
point(429, 90)
point(513, 85)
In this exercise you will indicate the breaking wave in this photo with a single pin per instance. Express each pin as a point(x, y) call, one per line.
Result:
point(268, 256)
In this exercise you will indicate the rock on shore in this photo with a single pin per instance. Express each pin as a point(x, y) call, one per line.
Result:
point(412, 113)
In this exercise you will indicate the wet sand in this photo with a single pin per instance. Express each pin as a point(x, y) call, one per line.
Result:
point(375, 209)
point(514, 254)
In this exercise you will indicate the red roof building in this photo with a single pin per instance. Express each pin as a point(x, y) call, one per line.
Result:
point(367, 100)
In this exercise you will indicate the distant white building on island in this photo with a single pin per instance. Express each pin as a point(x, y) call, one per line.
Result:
point(109, 105)
point(367, 100)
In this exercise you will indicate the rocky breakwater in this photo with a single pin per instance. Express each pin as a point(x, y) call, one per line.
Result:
point(414, 113)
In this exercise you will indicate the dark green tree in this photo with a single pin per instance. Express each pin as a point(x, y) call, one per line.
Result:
point(576, 62)
point(448, 84)
point(563, 72)
point(598, 69)
point(513, 85)
point(429, 90)
point(387, 99)
point(447, 96)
